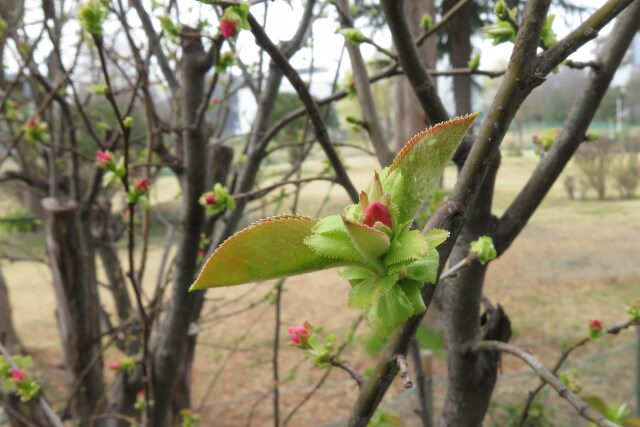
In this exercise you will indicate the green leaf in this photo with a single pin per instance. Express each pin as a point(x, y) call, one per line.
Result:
point(425, 269)
point(336, 245)
point(411, 288)
point(406, 246)
point(435, 237)
point(365, 293)
point(421, 161)
point(352, 272)
point(330, 224)
point(388, 312)
point(596, 402)
point(268, 249)
point(631, 422)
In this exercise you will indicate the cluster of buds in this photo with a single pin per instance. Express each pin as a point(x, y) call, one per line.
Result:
point(595, 329)
point(137, 193)
point(305, 338)
point(14, 377)
point(36, 131)
point(217, 200)
point(114, 170)
point(141, 401)
point(234, 19)
point(124, 365)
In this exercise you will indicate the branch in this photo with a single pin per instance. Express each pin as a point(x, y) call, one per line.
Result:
point(53, 417)
point(445, 18)
point(581, 407)
point(588, 30)
point(363, 89)
point(411, 61)
point(281, 62)
point(256, 194)
point(344, 365)
point(518, 213)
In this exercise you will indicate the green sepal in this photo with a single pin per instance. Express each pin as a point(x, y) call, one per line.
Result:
point(411, 289)
point(406, 246)
point(365, 293)
point(435, 237)
point(424, 269)
point(370, 242)
point(393, 184)
point(353, 272)
point(388, 312)
point(268, 249)
point(422, 161)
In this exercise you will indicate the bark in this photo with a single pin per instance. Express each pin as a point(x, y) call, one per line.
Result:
point(472, 375)
point(8, 336)
point(171, 338)
point(459, 32)
point(410, 118)
point(363, 89)
point(77, 304)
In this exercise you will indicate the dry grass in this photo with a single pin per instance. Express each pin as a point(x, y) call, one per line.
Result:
point(573, 262)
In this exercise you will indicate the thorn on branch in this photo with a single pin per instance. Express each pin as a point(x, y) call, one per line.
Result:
point(401, 360)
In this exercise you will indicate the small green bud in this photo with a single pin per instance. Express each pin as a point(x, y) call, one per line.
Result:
point(128, 122)
point(354, 35)
point(425, 21)
point(474, 62)
point(500, 9)
point(484, 249)
point(91, 16)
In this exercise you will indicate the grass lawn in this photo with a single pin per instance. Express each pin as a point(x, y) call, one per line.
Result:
point(575, 260)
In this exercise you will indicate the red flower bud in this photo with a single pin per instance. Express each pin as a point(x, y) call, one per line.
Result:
point(17, 374)
point(376, 212)
point(214, 101)
point(104, 157)
point(15, 105)
point(210, 199)
point(300, 330)
point(352, 84)
point(142, 184)
point(595, 324)
point(228, 28)
point(32, 123)
point(115, 365)
point(201, 254)
point(140, 394)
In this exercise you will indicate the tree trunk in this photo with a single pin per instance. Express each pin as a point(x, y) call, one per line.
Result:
point(459, 32)
point(472, 375)
point(410, 117)
point(77, 305)
point(171, 343)
point(8, 336)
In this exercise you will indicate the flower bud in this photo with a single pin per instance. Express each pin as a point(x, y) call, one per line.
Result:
point(115, 365)
point(295, 332)
point(17, 374)
point(229, 28)
point(210, 199)
point(595, 324)
point(376, 212)
point(142, 184)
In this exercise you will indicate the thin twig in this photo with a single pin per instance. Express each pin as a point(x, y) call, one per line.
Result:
point(403, 367)
point(547, 376)
point(445, 18)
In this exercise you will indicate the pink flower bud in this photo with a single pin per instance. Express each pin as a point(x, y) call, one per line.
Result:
point(300, 331)
point(142, 184)
point(32, 123)
point(214, 101)
point(376, 212)
point(228, 28)
point(115, 365)
point(140, 394)
point(595, 324)
point(17, 374)
point(201, 254)
point(210, 199)
point(104, 157)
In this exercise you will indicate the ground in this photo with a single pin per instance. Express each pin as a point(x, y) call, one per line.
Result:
point(575, 261)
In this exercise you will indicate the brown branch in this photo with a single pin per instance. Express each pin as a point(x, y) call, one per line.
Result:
point(588, 30)
point(256, 194)
point(547, 376)
point(345, 366)
point(445, 18)
point(280, 60)
point(614, 330)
